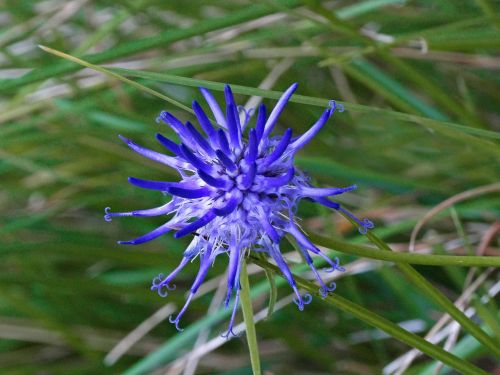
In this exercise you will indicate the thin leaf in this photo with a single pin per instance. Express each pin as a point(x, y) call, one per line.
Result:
point(246, 307)
point(385, 325)
point(409, 258)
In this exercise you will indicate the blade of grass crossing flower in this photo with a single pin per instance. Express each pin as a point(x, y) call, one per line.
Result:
point(246, 307)
point(435, 295)
point(385, 325)
point(444, 127)
point(117, 76)
point(463, 132)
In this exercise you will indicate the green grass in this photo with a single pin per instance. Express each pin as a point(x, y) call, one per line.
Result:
point(419, 128)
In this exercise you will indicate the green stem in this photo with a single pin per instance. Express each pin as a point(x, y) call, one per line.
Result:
point(385, 325)
point(429, 290)
point(411, 258)
point(246, 307)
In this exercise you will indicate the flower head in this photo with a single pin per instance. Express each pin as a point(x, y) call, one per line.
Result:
point(236, 193)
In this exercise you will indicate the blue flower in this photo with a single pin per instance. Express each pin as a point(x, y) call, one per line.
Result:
point(236, 193)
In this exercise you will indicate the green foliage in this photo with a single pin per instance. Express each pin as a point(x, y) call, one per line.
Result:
point(420, 89)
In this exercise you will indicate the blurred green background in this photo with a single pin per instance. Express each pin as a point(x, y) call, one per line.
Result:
point(419, 80)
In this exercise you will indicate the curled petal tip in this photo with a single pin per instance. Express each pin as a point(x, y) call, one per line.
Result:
point(302, 301)
point(307, 299)
point(229, 334)
point(107, 215)
point(299, 304)
point(176, 322)
point(157, 280)
point(162, 292)
point(338, 267)
point(325, 290)
point(335, 106)
point(366, 224)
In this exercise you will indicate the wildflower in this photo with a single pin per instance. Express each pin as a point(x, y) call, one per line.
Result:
point(236, 193)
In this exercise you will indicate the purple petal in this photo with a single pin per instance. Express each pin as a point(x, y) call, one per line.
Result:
point(230, 331)
point(233, 127)
point(324, 289)
point(274, 182)
point(327, 203)
point(178, 127)
point(226, 161)
point(221, 183)
point(269, 229)
point(201, 222)
point(304, 242)
point(177, 319)
point(228, 93)
point(169, 145)
point(164, 283)
point(190, 193)
point(308, 191)
point(261, 122)
point(195, 160)
point(149, 236)
point(230, 206)
point(308, 135)
point(280, 262)
point(198, 138)
point(204, 266)
point(275, 113)
point(152, 185)
point(246, 179)
point(214, 106)
point(162, 210)
point(363, 225)
point(252, 150)
point(205, 123)
point(279, 149)
point(153, 155)
point(232, 270)
point(222, 141)
point(205, 262)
